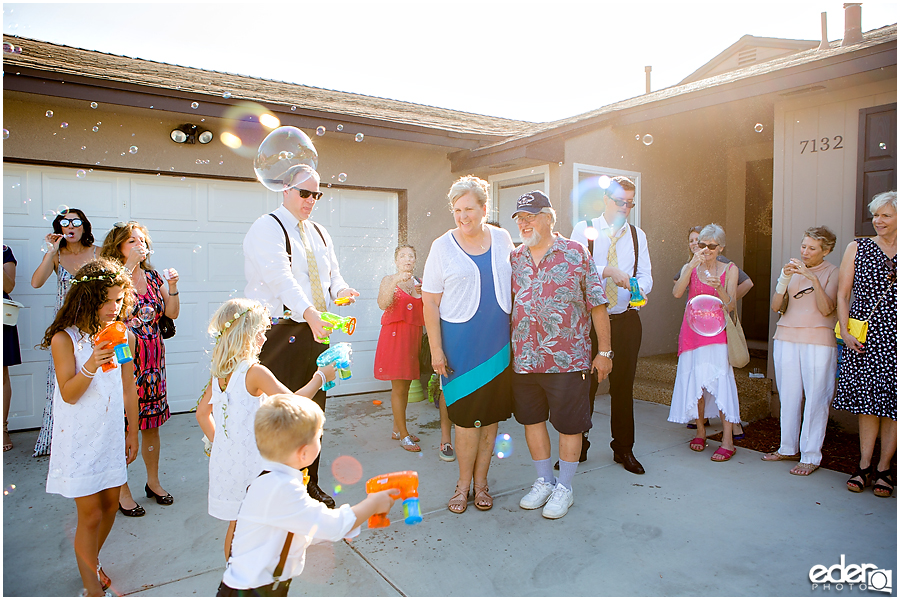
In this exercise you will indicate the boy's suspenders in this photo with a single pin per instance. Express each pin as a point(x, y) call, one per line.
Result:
point(634, 241)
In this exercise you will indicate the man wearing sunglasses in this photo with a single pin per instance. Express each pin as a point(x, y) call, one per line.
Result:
point(292, 268)
point(620, 252)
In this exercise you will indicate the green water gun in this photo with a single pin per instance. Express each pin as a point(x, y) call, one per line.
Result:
point(345, 324)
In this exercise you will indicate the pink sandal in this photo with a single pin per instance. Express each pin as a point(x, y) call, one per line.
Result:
point(722, 455)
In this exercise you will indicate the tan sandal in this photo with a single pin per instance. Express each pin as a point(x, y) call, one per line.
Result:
point(804, 469)
point(460, 500)
point(483, 500)
point(773, 456)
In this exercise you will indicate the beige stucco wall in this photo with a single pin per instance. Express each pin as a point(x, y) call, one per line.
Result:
point(419, 172)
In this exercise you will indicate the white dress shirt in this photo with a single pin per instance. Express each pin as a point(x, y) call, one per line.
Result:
point(275, 282)
point(277, 503)
point(624, 254)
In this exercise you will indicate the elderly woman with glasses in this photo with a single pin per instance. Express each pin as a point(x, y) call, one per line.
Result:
point(466, 290)
point(68, 248)
point(129, 244)
point(704, 382)
point(867, 382)
point(805, 351)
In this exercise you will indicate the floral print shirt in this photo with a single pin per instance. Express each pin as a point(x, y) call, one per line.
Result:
point(552, 302)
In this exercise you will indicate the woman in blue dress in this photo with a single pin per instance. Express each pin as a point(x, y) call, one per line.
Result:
point(467, 301)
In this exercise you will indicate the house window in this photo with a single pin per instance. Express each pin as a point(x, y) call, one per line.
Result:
point(506, 189)
point(587, 197)
point(876, 161)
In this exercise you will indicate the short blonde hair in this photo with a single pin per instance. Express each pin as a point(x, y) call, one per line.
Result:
point(284, 423)
point(236, 337)
point(823, 235)
point(470, 184)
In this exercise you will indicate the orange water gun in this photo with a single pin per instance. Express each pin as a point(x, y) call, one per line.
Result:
point(408, 484)
point(117, 334)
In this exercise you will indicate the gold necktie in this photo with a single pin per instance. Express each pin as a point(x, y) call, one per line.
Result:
point(315, 283)
point(612, 260)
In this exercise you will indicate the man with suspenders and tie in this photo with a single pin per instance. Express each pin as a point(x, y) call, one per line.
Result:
point(292, 268)
point(620, 252)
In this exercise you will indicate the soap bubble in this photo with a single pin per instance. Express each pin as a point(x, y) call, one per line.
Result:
point(226, 95)
point(8, 489)
point(286, 158)
point(637, 137)
point(63, 125)
point(359, 137)
point(428, 214)
point(342, 177)
point(6, 134)
point(195, 104)
point(94, 105)
point(881, 145)
point(197, 248)
point(80, 173)
point(133, 150)
point(603, 181)
point(647, 139)
point(95, 129)
point(49, 215)
point(340, 128)
point(150, 448)
point(46, 247)
point(49, 113)
point(147, 313)
point(320, 130)
point(706, 315)
point(62, 209)
point(503, 446)
point(291, 340)
point(758, 128)
point(293, 108)
point(346, 469)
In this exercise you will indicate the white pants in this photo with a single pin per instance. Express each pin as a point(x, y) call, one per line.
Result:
point(804, 369)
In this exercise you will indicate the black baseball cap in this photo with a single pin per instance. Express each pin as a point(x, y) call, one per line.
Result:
point(532, 203)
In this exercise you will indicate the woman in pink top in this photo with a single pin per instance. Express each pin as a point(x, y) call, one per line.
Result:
point(805, 351)
point(704, 382)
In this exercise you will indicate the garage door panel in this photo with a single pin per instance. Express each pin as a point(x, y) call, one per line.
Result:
point(29, 383)
point(235, 204)
point(187, 335)
point(363, 267)
point(166, 200)
point(366, 212)
point(95, 194)
point(15, 192)
point(184, 382)
point(226, 261)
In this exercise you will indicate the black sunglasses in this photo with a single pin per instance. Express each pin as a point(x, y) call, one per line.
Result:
point(66, 222)
point(710, 246)
point(802, 293)
point(622, 202)
point(306, 194)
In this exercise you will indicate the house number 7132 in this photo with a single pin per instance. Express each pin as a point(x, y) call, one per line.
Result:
point(823, 145)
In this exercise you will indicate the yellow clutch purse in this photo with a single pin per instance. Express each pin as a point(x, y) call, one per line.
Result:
point(856, 328)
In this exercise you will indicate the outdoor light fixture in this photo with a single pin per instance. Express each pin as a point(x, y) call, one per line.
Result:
point(190, 134)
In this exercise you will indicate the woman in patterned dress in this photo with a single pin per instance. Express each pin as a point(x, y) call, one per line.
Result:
point(130, 244)
point(67, 249)
point(867, 381)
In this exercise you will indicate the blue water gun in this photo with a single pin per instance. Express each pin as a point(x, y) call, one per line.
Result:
point(339, 354)
point(637, 298)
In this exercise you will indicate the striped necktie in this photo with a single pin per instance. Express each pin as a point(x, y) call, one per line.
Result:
point(315, 282)
point(612, 260)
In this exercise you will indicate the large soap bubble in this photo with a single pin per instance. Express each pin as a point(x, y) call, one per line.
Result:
point(706, 315)
point(286, 158)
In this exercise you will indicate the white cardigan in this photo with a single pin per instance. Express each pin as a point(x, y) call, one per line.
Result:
point(451, 272)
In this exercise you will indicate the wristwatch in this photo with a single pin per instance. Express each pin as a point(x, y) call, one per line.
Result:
point(608, 354)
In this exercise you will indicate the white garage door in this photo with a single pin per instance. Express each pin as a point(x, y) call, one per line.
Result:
point(197, 226)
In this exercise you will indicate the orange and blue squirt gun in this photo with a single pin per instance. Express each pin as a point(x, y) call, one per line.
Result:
point(408, 484)
point(117, 334)
point(345, 324)
point(637, 298)
point(339, 354)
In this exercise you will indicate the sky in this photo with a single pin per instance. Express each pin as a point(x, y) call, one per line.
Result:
point(527, 60)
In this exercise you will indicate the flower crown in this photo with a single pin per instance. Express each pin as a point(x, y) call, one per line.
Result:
point(102, 277)
point(228, 323)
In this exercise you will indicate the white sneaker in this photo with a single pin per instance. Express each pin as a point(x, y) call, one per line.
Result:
point(560, 501)
point(537, 497)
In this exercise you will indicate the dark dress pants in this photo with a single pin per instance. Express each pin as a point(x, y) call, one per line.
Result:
point(293, 363)
point(625, 337)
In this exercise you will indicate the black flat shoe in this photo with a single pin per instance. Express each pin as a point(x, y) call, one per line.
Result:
point(316, 493)
point(164, 500)
point(627, 460)
point(137, 511)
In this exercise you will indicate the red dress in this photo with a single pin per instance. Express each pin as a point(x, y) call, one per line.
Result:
point(397, 354)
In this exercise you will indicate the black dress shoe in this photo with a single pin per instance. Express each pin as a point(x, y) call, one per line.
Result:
point(137, 511)
point(164, 500)
point(584, 448)
point(316, 493)
point(627, 460)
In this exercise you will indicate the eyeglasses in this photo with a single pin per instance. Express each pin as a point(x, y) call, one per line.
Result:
point(520, 218)
point(306, 194)
point(67, 222)
point(710, 246)
point(124, 223)
point(621, 203)
point(695, 229)
point(802, 293)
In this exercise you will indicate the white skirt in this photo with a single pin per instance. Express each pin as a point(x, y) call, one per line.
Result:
point(705, 372)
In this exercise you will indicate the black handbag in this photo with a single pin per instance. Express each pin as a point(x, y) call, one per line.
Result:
point(425, 356)
point(166, 327)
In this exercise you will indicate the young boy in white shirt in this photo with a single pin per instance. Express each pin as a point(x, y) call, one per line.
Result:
point(278, 520)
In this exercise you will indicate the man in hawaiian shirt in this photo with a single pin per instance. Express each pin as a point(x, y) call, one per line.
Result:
point(557, 295)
